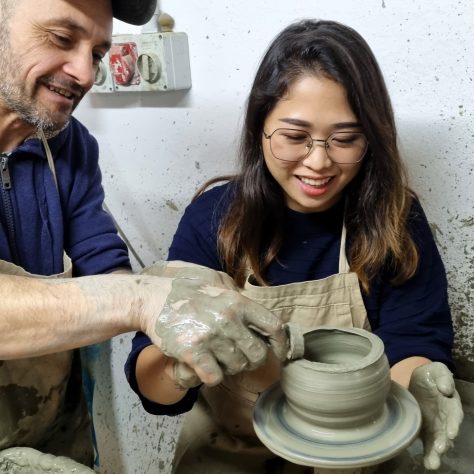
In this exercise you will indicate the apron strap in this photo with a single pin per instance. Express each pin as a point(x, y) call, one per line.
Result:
point(67, 263)
point(343, 263)
point(49, 156)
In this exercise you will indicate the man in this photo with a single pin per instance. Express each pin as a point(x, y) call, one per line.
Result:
point(51, 214)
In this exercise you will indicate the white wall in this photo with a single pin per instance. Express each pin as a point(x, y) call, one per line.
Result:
point(157, 148)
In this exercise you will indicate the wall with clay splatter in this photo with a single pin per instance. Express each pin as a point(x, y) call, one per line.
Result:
point(157, 148)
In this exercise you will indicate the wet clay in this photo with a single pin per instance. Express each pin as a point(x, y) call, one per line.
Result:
point(295, 341)
point(41, 401)
point(31, 461)
point(341, 382)
point(206, 323)
point(336, 407)
point(433, 387)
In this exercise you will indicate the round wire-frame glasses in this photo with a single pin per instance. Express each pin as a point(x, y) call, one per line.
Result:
point(345, 147)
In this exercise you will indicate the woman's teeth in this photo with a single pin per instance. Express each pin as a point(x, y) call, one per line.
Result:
point(315, 182)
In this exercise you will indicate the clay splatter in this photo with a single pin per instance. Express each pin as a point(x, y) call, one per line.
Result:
point(172, 205)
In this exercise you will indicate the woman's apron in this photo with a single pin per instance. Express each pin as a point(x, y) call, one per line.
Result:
point(41, 402)
point(217, 434)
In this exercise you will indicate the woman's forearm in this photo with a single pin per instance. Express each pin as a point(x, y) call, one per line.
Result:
point(401, 371)
point(155, 377)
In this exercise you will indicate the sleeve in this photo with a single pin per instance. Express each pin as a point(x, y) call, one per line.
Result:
point(195, 241)
point(91, 239)
point(414, 319)
point(139, 342)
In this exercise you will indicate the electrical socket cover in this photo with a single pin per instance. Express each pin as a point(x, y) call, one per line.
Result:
point(157, 61)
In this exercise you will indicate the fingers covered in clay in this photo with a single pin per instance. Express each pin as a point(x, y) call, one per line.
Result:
point(185, 377)
point(295, 335)
point(268, 327)
point(215, 330)
point(433, 387)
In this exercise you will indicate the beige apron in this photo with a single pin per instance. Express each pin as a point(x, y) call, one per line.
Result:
point(217, 434)
point(35, 409)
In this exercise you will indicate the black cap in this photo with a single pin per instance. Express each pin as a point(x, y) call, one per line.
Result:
point(135, 12)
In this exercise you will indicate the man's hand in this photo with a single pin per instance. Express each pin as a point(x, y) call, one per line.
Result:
point(209, 327)
point(433, 387)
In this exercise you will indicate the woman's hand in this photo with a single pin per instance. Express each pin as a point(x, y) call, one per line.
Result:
point(433, 387)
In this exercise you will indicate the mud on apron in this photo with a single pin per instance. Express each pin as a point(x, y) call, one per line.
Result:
point(217, 434)
point(41, 403)
point(41, 399)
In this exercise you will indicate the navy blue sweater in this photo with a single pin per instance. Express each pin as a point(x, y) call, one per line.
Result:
point(37, 223)
point(412, 319)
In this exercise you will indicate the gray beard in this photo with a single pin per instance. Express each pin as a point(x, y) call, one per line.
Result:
point(29, 113)
point(13, 95)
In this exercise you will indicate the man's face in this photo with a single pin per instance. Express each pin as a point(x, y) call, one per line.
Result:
point(49, 54)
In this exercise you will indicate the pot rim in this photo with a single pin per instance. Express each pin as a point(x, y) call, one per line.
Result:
point(376, 352)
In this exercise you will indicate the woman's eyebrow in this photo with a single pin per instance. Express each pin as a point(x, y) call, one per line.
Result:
point(304, 123)
point(346, 125)
point(295, 121)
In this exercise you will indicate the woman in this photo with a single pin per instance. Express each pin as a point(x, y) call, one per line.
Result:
point(319, 226)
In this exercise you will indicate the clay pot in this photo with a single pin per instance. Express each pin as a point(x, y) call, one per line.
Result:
point(340, 386)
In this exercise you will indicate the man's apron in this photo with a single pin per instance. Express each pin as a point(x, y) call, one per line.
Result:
point(41, 400)
point(217, 434)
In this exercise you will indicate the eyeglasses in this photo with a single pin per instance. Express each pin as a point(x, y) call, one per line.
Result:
point(289, 144)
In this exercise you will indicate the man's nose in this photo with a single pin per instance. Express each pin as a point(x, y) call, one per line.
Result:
point(82, 68)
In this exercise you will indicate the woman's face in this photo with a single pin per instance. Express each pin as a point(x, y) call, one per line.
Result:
point(320, 107)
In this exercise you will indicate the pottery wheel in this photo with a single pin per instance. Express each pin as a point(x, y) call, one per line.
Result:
point(358, 447)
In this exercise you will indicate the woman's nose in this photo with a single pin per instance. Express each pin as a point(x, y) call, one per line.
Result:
point(318, 156)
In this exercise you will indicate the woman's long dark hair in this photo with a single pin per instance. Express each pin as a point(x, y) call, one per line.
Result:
point(378, 200)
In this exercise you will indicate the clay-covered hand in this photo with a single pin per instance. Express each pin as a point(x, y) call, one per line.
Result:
point(433, 387)
point(19, 460)
point(209, 327)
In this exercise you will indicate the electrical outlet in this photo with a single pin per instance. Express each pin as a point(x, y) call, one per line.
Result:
point(157, 61)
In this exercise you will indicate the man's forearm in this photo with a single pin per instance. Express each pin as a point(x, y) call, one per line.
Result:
point(40, 316)
point(193, 316)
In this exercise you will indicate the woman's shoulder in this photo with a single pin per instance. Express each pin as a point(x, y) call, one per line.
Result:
point(417, 221)
point(206, 211)
point(416, 209)
point(214, 199)
point(195, 239)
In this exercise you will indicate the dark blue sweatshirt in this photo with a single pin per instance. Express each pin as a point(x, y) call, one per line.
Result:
point(37, 222)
